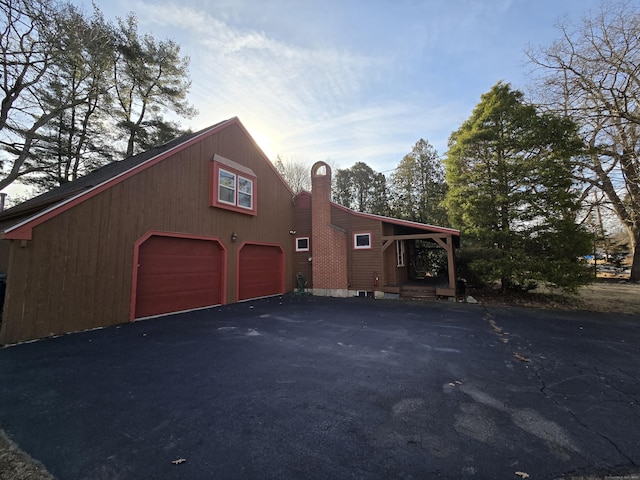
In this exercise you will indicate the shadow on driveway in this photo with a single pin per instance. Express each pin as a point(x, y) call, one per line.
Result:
point(308, 387)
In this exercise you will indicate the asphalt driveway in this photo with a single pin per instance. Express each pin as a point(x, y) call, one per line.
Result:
point(307, 387)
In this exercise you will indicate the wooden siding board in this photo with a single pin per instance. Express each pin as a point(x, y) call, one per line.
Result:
point(15, 298)
point(5, 249)
point(302, 226)
point(390, 267)
point(362, 264)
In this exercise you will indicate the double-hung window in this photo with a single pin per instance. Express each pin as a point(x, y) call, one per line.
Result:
point(233, 186)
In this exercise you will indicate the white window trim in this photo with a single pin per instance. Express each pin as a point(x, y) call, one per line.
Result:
point(298, 249)
point(361, 247)
point(400, 252)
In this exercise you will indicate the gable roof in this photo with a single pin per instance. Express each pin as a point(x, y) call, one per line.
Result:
point(18, 222)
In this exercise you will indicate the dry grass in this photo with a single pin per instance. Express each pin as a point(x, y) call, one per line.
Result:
point(606, 295)
point(611, 297)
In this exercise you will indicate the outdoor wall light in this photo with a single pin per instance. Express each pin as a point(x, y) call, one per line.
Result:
point(234, 236)
point(292, 232)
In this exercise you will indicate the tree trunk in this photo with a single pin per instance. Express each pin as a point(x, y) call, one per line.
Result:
point(635, 248)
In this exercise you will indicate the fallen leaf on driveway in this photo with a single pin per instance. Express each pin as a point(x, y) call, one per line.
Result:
point(522, 474)
point(521, 358)
point(179, 461)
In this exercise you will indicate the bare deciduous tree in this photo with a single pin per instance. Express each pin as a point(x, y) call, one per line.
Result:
point(592, 74)
point(74, 142)
point(297, 173)
point(26, 60)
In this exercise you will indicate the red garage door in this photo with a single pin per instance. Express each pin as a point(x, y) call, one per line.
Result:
point(177, 274)
point(260, 271)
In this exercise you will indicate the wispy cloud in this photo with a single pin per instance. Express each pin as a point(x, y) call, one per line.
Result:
point(250, 62)
point(406, 70)
point(300, 96)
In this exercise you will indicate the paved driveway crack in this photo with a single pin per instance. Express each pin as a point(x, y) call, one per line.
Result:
point(537, 369)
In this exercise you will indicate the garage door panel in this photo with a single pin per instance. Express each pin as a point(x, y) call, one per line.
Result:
point(178, 284)
point(177, 264)
point(177, 274)
point(171, 302)
point(260, 271)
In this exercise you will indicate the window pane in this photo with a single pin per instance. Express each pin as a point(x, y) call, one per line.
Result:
point(227, 179)
point(362, 240)
point(226, 195)
point(244, 200)
point(245, 185)
point(302, 244)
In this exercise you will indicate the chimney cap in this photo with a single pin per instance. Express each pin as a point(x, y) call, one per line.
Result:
point(321, 169)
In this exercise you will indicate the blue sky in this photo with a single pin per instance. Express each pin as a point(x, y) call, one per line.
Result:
point(349, 80)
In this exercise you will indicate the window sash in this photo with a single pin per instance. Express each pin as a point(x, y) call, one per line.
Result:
point(226, 187)
point(245, 193)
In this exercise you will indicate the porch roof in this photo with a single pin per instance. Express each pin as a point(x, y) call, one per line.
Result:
point(403, 223)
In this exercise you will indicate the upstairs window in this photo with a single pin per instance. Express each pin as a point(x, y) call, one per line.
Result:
point(233, 186)
point(361, 241)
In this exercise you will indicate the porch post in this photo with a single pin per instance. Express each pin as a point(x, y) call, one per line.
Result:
point(451, 262)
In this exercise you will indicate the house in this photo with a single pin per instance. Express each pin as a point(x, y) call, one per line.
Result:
point(199, 221)
point(342, 252)
point(203, 220)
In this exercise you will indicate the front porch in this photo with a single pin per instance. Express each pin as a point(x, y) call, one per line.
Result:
point(419, 265)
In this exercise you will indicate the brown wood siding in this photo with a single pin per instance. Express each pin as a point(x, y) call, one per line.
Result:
point(5, 249)
point(363, 265)
point(76, 273)
point(302, 224)
point(391, 276)
point(389, 259)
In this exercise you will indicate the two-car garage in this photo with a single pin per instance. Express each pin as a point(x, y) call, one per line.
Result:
point(176, 272)
point(201, 220)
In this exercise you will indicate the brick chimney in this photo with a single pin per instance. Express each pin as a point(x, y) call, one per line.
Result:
point(328, 242)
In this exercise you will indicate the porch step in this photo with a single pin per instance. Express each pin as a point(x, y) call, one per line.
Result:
point(408, 292)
